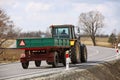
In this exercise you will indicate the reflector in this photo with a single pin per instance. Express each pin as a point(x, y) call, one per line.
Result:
point(22, 43)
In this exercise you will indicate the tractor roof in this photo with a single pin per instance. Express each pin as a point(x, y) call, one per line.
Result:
point(65, 25)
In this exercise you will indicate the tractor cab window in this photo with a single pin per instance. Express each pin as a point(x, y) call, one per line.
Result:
point(61, 32)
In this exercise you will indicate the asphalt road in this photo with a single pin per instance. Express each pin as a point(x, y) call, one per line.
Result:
point(96, 55)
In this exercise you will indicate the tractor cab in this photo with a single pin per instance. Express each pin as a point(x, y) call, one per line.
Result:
point(63, 31)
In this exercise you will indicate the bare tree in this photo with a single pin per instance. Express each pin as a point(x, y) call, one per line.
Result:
point(91, 22)
point(7, 30)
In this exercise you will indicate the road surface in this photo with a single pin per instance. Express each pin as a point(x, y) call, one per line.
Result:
point(96, 55)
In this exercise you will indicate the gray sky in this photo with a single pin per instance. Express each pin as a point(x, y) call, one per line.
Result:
point(34, 15)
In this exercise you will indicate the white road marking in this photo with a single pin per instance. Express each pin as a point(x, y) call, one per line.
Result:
point(34, 74)
point(109, 58)
point(3, 70)
point(95, 53)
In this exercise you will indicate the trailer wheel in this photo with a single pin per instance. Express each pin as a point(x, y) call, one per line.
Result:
point(56, 60)
point(25, 64)
point(37, 63)
point(75, 53)
point(83, 53)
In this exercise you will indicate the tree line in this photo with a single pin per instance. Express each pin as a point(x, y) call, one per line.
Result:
point(114, 39)
point(33, 34)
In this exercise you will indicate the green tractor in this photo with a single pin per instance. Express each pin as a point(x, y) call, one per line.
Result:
point(53, 49)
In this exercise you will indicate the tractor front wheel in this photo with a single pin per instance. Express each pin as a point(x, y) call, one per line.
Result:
point(75, 53)
point(56, 60)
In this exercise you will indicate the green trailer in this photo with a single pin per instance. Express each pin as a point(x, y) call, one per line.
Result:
point(42, 42)
point(53, 49)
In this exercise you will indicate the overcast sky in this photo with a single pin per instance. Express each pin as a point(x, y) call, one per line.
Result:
point(34, 15)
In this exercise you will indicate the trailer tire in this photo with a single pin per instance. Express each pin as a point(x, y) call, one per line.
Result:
point(25, 64)
point(56, 60)
point(83, 53)
point(75, 53)
point(37, 63)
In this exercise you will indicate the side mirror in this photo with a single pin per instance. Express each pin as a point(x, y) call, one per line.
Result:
point(78, 30)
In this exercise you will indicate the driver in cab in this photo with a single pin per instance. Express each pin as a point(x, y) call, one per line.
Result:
point(64, 34)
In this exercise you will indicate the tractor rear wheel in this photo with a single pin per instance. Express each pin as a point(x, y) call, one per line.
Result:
point(56, 60)
point(75, 53)
point(83, 53)
point(25, 64)
point(37, 63)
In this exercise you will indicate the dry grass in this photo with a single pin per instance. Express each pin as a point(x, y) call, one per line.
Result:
point(100, 41)
point(10, 55)
point(8, 43)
